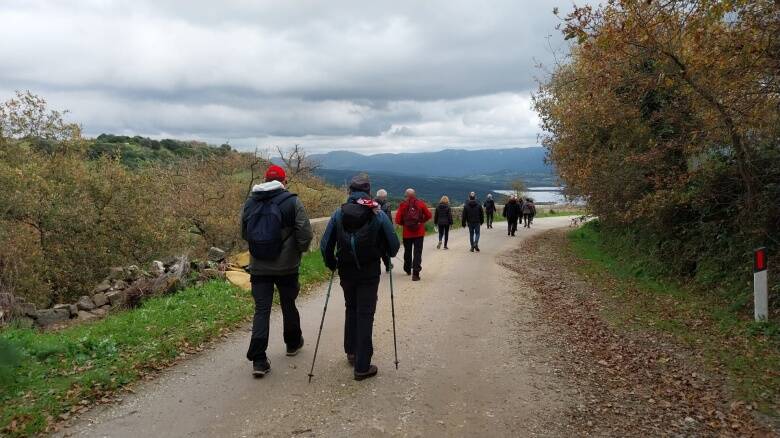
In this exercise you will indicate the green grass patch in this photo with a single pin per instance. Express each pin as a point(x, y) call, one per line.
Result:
point(52, 371)
point(558, 213)
point(715, 324)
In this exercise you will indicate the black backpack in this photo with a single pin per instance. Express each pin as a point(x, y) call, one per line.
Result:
point(264, 227)
point(358, 235)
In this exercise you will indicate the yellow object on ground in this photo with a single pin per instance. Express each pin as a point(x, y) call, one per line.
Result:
point(240, 259)
point(236, 274)
point(240, 279)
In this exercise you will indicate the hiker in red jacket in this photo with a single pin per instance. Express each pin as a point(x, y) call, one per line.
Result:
point(412, 214)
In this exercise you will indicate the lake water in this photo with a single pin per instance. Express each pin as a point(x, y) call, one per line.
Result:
point(546, 195)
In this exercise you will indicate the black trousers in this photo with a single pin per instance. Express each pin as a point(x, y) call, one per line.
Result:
point(263, 293)
point(444, 232)
point(360, 295)
point(413, 254)
point(527, 218)
point(512, 225)
point(489, 217)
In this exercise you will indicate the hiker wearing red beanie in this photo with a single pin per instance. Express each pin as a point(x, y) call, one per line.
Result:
point(275, 225)
point(275, 173)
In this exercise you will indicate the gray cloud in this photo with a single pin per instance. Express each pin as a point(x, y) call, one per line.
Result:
point(373, 76)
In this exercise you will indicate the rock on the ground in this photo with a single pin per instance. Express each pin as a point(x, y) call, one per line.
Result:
point(72, 308)
point(119, 285)
point(85, 303)
point(48, 317)
point(100, 311)
point(157, 268)
point(86, 316)
point(100, 299)
point(166, 284)
point(216, 254)
point(103, 286)
point(23, 308)
point(212, 274)
point(116, 297)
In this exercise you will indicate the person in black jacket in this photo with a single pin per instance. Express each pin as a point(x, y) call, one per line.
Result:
point(474, 217)
point(490, 209)
point(512, 214)
point(442, 218)
point(358, 235)
point(381, 199)
point(280, 271)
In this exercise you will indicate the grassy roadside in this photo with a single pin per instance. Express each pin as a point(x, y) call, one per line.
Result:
point(559, 213)
point(61, 373)
point(712, 324)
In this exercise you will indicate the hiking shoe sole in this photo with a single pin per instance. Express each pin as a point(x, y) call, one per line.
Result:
point(295, 351)
point(260, 374)
point(372, 370)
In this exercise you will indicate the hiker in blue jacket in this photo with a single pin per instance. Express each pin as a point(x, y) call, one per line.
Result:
point(356, 239)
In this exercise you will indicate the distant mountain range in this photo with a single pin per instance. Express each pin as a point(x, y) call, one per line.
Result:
point(427, 188)
point(446, 163)
point(453, 172)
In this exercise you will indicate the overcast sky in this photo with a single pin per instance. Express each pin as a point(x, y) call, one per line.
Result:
point(358, 75)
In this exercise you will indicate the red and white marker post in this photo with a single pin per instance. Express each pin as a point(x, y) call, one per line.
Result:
point(760, 289)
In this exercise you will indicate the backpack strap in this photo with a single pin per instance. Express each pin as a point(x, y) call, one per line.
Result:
point(278, 200)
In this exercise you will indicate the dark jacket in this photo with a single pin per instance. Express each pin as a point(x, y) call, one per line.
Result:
point(529, 208)
point(490, 206)
point(473, 213)
point(385, 206)
point(296, 233)
point(442, 215)
point(347, 268)
point(511, 210)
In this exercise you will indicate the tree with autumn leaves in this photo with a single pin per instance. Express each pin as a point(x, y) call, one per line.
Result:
point(665, 116)
point(67, 214)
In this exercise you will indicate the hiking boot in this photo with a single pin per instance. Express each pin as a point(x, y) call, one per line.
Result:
point(416, 277)
point(260, 368)
point(372, 370)
point(476, 248)
point(351, 359)
point(445, 247)
point(472, 249)
point(408, 271)
point(438, 246)
point(292, 351)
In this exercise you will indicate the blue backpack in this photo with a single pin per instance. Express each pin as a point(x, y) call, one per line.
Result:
point(264, 227)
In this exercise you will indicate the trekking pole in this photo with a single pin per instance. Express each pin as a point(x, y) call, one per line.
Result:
point(392, 309)
point(322, 322)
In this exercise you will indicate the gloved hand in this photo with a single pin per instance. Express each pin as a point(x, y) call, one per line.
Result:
point(331, 264)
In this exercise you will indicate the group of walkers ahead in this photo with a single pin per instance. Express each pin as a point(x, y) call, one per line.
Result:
point(522, 209)
point(358, 240)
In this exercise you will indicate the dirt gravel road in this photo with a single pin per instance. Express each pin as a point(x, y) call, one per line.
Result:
point(469, 366)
